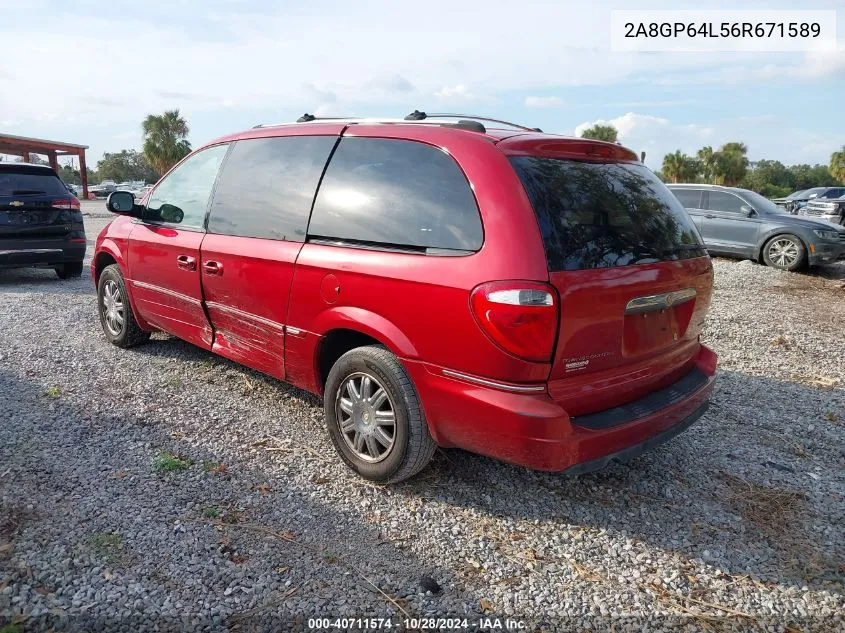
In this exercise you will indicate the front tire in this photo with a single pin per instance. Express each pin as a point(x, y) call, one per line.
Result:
point(116, 316)
point(785, 252)
point(70, 270)
point(374, 417)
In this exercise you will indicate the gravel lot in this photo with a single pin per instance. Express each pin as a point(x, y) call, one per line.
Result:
point(165, 487)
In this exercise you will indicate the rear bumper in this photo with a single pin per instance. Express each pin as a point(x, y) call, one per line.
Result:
point(535, 431)
point(19, 253)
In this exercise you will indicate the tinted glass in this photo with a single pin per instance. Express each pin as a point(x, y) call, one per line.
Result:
point(727, 202)
point(760, 203)
point(30, 181)
point(182, 197)
point(690, 198)
point(596, 215)
point(398, 193)
point(267, 186)
point(831, 193)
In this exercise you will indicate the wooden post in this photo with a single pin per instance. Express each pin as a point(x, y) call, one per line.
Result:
point(54, 161)
point(83, 172)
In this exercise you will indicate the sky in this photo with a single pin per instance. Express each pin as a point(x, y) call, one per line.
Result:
point(89, 71)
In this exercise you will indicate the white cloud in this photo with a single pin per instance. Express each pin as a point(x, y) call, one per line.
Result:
point(326, 109)
point(543, 102)
point(227, 63)
point(653, 133)
point(764, 134)
point(458, 92)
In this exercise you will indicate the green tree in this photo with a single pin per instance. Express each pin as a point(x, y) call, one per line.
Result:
point(70, 175)
point(731, 164)
point(679, 167)
point(127, 164)
point(837, 165)
point(165, 140)
point(601, 133)
point(770, 175)
point(807, 176)
point(707, 160)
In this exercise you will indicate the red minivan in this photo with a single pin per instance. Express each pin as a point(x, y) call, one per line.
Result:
point(530, 297)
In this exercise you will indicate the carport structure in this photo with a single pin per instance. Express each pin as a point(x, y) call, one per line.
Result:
point(23, 147)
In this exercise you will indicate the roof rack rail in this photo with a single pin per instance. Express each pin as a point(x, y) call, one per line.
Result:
point(464, 124)
point(417, 115)
point(307, 118)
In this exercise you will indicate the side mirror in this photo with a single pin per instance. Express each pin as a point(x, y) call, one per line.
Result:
point(122, 203)
point(171, 213)
point(748, 211)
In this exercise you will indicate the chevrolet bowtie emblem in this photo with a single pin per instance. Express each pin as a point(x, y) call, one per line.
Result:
point(16, 203)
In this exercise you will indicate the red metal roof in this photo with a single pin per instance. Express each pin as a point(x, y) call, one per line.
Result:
point(35, 144)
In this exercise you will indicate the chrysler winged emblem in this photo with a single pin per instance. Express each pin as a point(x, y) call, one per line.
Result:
point(16, 203)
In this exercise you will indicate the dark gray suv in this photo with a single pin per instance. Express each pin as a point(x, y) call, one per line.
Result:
point(740, 223)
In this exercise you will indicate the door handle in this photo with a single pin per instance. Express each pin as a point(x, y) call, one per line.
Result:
point(186, 262)
point(709, 216)
point(212, 268)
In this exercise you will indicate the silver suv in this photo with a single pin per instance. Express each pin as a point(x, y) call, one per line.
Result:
point(740, 223)
point(832, 211)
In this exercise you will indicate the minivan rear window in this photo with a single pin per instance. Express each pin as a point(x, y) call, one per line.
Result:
point(600, 215)
point(30, 181)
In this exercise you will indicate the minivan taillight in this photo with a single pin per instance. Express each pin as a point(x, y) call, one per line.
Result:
point(70, 203)
point(521, 317)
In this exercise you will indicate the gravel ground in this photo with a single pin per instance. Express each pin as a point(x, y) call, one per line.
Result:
point(163, 488)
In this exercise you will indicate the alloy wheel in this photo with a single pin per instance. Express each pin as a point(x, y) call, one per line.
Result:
point(113, 307)
point(366, 417)
point(783, 252)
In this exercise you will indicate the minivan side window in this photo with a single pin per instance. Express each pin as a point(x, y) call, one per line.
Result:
point(690, 198)
point(727, 202)
point(267, 187)
point(182, 197)
point(396, 194)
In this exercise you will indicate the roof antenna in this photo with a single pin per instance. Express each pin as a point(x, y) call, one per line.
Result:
point(306, 118)
point(416, 115)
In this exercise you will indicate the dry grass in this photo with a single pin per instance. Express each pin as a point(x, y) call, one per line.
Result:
point(781, 517)
point(767, 508)
point(825, 383)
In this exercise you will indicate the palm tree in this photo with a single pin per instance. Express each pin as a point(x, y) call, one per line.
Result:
point(675, 166)
point(837, 165)
point(731, 164)
point(707, 158)
point(165, 140)
point(601, 133)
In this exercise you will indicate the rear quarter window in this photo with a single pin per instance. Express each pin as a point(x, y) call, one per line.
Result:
point(689, 198)
point(598, 215)
point(395, 193)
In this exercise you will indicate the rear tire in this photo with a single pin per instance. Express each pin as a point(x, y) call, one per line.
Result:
point(785, 252)
point(70, 270)
point(116, 316)
point(374, 418)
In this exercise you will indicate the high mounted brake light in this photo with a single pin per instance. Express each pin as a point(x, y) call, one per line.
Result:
point(552, 147)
